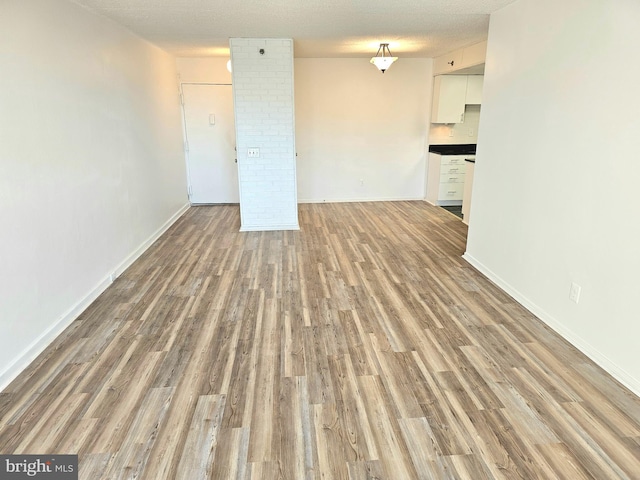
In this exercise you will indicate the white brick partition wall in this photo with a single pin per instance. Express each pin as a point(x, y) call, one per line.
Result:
point(264, 109)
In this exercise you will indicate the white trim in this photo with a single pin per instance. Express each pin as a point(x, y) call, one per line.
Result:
point(359, 200)
point(593, 353)
point(36, 347)
point(268, 228)
point(204, 83)
point(133, 256)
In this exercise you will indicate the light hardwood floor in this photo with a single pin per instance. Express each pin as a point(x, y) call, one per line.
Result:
point(362, 346)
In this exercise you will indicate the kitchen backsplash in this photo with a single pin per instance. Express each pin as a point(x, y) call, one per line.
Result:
point(466, 132)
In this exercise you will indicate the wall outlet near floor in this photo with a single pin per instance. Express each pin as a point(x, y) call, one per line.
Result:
point(112, 277)
point(574, 292)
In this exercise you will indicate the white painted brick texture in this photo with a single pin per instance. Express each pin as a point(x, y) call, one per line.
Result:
point(264, 109)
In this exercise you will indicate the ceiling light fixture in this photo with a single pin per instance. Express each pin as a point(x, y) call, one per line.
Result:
point(383, 62)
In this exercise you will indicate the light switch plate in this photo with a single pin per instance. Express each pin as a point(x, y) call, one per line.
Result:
point(574, 292)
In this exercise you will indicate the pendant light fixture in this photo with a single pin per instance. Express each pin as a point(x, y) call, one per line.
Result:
point(381, 60)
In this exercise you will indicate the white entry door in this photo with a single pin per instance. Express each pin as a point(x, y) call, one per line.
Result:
point(211, 140)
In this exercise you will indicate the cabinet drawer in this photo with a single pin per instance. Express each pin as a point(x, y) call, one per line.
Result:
point(452, 169)
point(451, 191)
point(452, 177)
point(451, 160)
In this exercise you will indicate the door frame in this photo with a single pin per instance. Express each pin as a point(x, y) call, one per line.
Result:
point(185, 146)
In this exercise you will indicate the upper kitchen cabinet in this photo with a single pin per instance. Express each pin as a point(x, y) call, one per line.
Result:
point(447, 63)
point(474, 55)
point(474, 89)
point(449, 97)
point(469, 58)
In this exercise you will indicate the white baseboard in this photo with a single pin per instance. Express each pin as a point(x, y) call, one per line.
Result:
point(358, 200)
point(36, 347)
point(268, 228)
point(589, 350)
point(133, 256)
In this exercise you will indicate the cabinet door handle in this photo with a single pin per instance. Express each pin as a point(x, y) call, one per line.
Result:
point(462, 117)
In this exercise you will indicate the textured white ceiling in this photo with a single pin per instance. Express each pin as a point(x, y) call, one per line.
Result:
point(320, 28)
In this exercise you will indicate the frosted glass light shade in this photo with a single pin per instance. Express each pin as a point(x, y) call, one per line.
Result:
point(383, 62)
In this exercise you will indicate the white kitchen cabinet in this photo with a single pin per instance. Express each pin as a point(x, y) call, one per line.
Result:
point(445, 179)
point(463, 58)
point(448, 63)
point(468, 185)
point(474, 89)
point(474, 55)
point(449, 97)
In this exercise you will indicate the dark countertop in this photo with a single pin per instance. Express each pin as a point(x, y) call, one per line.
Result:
point(461, 149)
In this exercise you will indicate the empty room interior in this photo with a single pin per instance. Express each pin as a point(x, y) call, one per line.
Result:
point(322, 239)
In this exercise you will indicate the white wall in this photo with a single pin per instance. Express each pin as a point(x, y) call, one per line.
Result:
point(91, 164)
point(555, 195)
point(361, 134)
point(457, 133)
point(263, 103)
point(203, 70)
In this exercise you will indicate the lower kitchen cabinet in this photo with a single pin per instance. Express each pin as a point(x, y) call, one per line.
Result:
point(445, 179)
point(468, 185)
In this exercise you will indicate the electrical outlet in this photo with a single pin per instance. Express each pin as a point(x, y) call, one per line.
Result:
point(574, 292)
point(471, 132)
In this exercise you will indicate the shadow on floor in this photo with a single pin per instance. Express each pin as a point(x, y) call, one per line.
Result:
point(457, 211)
